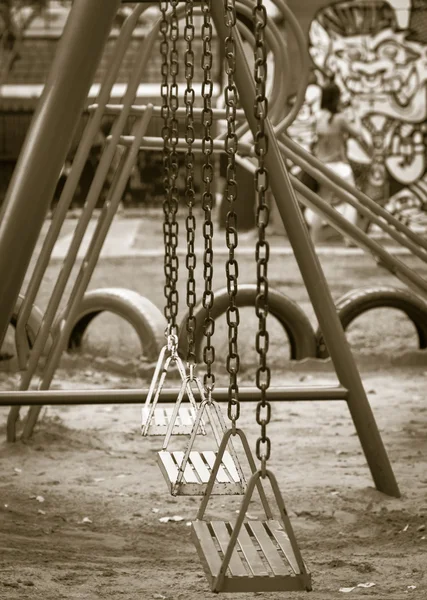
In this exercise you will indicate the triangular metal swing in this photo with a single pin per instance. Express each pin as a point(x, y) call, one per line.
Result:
point(156, 419)
point(188, 473)
point(249, 556)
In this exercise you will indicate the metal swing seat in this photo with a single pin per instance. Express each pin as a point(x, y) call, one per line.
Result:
point(249, 555)
point(162, 420)
point(187, 473)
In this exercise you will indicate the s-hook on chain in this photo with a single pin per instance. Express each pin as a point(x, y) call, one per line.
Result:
point(190, 222)
point(231, 267)
point(207, 197)
point(262, 249)
point(170, 162)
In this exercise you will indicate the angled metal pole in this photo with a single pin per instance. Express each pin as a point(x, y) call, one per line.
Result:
point(47, 143)
point(313, 276)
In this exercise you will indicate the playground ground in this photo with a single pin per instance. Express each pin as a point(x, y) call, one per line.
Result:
point(81, 502)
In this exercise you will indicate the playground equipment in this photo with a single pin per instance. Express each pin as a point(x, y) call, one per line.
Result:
point(256, 138)
point(77, 35)
point(356, 302)
point(291, 317)
point(145, 318)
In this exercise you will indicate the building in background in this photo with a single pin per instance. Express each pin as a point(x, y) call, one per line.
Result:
point(22, 86)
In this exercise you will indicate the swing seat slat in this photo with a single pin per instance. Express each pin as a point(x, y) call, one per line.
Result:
point(197, 473)
point(162, 416)
point(257, 564)
point(283, 540)
point(236, 566)
point(268, 548)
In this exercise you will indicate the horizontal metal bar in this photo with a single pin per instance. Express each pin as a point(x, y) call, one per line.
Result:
point(137, 110)
point(169, 395)
point(319, 171)
point(198, 145)
point(151, 2)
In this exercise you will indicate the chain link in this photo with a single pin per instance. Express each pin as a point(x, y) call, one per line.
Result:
point(207, 196)
point(262, 250)
point(190, 222)
point(171, 202)
point(231, 267)
point(165, 112)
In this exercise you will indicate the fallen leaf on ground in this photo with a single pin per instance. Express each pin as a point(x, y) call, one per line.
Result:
point(86, 520)
point(346, 590)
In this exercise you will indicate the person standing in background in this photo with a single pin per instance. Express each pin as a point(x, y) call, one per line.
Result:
point(333, 129)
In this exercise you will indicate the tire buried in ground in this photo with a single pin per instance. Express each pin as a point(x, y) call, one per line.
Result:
point(31, 329)
point(144, 316)
point(292, 318)
point(356, 302)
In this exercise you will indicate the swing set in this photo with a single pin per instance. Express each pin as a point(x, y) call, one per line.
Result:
point(244, 555)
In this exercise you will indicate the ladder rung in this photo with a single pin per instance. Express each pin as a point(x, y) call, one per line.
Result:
point(198, 471)
point(256, 565)
point(161, 418)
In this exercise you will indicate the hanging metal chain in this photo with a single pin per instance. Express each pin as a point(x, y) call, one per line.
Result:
point(171, 208)
point(207, 197)
point(231, 267)
point(262, 251)
point(190, 222)
point(165, 112)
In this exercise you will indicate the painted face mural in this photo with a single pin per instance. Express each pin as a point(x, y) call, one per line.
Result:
point(377, 52)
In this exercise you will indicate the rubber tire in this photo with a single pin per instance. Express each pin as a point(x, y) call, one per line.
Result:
point(356, 302)
point(144, 316)
point(32, 327)
point(300, 333)
point(34, 320)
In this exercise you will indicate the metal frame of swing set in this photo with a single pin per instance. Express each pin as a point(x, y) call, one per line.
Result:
point(60, 106)
point(59, 109)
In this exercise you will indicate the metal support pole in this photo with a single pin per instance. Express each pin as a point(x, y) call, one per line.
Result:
point(169, 396)
point(313, 276)
point(47, 143)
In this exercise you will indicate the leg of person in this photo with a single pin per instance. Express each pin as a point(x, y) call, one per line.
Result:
point(315, 222)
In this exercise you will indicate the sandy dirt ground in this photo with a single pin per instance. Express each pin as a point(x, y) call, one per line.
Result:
point(81, 501)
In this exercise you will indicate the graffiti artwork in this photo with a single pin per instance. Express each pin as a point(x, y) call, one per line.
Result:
point(376, 51)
